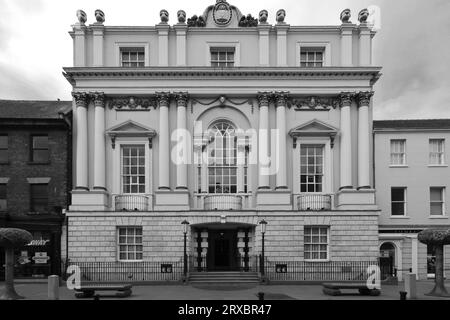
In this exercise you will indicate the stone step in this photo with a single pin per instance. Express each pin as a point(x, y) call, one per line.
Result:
point(218, 277)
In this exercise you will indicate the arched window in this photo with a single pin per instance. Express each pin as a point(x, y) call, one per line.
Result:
point(222, 159)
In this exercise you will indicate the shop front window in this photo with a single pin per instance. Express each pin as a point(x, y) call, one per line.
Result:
point(33, 260)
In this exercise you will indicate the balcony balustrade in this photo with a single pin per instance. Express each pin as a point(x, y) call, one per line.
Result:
point(131, 202)
point(314, 202)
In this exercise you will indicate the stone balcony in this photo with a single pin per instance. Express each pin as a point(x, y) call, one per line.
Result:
point(131, 202)
point(222, 201)
point(314, 202)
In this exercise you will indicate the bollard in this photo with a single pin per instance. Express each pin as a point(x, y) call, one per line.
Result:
point(261, 296)
point(53, 288)
point(403, 295)
point(410, 285)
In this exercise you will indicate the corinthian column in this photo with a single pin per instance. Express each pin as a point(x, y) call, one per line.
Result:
point(81, 101)
point(281, 102)
point(164, 138)
point(99, 141)
point(363, 140)
point(346, 141)
point(263, 141)
point(182, 147)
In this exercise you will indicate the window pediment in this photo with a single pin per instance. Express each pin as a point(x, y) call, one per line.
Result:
point(130, 129)
point(314, 128)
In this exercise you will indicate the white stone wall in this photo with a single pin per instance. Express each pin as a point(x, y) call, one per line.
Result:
point(353, 235)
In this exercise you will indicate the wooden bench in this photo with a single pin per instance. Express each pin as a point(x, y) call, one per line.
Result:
point(334, 289)
point(88, 291)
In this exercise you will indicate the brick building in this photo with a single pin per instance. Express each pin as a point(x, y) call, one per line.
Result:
point(35, 166)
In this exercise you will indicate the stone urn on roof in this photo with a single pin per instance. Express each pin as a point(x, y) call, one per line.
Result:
point(437, 238)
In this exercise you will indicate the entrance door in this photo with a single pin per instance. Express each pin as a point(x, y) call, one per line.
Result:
point(387, 260)
point(222, 251)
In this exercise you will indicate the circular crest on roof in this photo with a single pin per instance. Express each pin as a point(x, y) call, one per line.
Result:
point(222, 13)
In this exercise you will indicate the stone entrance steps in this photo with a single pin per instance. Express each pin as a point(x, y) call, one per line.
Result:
point(223, 277)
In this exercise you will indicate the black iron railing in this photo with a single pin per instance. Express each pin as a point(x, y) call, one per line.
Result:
point(240, 263)
point(317, 271)
point(140, 271)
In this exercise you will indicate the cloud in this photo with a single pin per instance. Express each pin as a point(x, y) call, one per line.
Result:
point(413, 45)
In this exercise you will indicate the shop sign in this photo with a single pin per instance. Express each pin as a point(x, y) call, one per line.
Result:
point(38, 243)
point(41, 258)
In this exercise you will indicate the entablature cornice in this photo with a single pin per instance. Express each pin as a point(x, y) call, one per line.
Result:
point(254, 73)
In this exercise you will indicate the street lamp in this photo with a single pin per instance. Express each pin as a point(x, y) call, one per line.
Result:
point(185, 224)
point(263, 224)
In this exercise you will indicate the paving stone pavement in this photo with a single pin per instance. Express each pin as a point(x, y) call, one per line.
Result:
point(38, 291)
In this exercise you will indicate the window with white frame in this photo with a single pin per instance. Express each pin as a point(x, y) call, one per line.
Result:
point(222, 57)
point(316, 242)
point(133, 57)
point(311, 168)
point(398, 152)
point(311, 57)
point(130, 243)
point(398, 201)
point(437, 151)
point(133, 169)
point(222, 159)
point(437, 201)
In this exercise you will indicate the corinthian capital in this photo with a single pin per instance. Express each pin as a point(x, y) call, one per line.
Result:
point(264, 98)
point(364, 98)
point(81, 99)
point(346, 98)
point(98, 98)
point(281, 98)
point(181, 98)
point(163, 98)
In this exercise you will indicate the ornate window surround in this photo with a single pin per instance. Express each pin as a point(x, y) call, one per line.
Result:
point(221, 44)
point(325, 45)
point(145, 45)
point(322, 136)
point(141, 136)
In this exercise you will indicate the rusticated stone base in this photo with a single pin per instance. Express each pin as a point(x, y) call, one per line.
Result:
point(353, 235)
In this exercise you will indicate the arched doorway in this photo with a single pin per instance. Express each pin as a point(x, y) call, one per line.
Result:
point(387, 260)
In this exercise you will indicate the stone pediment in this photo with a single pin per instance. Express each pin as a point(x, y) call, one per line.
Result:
point(314, 128)
point(130, 129)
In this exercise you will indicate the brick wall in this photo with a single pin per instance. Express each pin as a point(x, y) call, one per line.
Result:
point(20, 168)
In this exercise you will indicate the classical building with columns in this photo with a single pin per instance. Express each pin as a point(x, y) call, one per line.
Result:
point(223, 120)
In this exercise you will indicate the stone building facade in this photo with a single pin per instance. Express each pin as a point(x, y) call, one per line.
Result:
point(411, 174)
point(271, 122)
point(35, 166)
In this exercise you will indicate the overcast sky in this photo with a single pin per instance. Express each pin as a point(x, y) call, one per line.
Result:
point(413, 45)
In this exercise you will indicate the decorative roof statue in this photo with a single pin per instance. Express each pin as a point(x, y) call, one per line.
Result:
point(195, 21)
point(181, 16)
point(345, 16)
point(82, 17)
point(263, 15)
point(100, 16)
point(281, 15)
point(164, 15)
point(363, 16)
point(248, 21)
